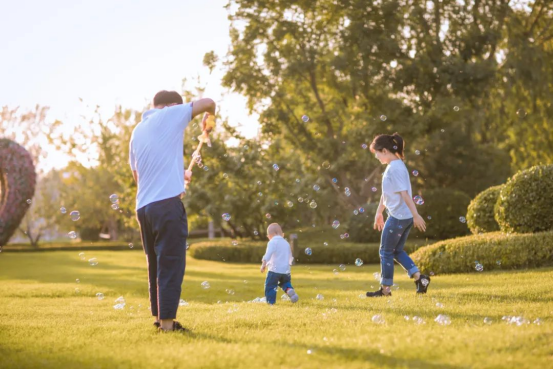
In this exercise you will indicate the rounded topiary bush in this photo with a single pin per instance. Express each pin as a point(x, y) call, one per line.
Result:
point(360, 226)
point(481, 211)
point(491, 251)
point(526, 201)
point(443, 211)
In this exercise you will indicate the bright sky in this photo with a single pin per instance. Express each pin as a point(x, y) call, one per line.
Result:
point(111, 52)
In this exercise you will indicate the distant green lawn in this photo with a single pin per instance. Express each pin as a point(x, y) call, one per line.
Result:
point(44, 323)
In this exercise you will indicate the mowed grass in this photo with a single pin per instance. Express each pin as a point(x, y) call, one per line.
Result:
point(44, 323)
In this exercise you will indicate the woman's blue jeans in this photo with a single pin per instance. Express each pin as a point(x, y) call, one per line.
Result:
point(392, 242)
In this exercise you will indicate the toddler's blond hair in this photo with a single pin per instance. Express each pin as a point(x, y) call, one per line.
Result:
point(274, 230)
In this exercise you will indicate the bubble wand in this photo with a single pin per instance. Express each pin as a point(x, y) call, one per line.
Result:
point(208, 125)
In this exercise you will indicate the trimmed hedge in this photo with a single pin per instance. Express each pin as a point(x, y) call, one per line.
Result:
point(525, 203)
point(360, 226)
point(492, 250)
point(445, 207)
point(253, 251)
point(481, 211)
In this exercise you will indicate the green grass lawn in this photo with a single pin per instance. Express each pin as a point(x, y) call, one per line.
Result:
point(45, 323)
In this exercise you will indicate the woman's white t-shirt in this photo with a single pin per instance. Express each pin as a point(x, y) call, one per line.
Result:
point(395, 180)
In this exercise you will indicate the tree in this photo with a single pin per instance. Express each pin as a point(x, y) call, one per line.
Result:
point(329, 75)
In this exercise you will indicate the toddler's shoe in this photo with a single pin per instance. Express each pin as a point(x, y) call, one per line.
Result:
point(293, 295)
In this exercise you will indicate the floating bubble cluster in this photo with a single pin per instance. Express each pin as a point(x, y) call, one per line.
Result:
point(443, 320)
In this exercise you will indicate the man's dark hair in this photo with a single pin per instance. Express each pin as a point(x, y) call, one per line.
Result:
point(167, 97)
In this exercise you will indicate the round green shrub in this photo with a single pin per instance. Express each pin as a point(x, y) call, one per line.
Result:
point(481, 213)
point(494, 251)
point(360, 226)
point(445, 208)
point(525, 203)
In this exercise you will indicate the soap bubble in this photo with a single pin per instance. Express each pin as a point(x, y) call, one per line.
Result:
point(364, 146)
point(361, 210)
point(100, 296)
point(72, 235)
point(305, 118)
point(342, 267)
point(75, 215)
point(345, 235)
point(93, 261)
point(113, 198)
point(325, 243)
point(114, 206)
point(377, 276)
point(29, 201)
point(131, 245)
point(63, 210)
point(77, 280)
point(335, 271)
point(309, 352)
point(418, 200)
point(205, 285)
point(320, 297)
point(312, 204)
point(230, 292)
point(225, 175)
point(443, 320)
point(234, 243)
point(479, 267)
point(276, 167)
point(268, 216)
point(308, 251)
point(326, 165)
point(334, 180)
point(498, 262)
point(289, 203)
point(183, 303)
point(418, 320)
point(417, 152)
point(462, 219)
point(424, 282)
point(226, 217)
point(378, 319)
point(456, 108)
point(335, 224)
point(374, 189)
point(521, 113)
point(81, 255)
point(487, 321)
point(358, 262)
point(415, 173)
point(355, 212)
point(429, 217)
point(119, 306)
point(383, 118)
point(316, 187)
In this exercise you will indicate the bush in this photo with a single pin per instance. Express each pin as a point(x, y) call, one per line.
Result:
point(445, 207)
point(481, 211)
point(253, 251)
point(492, 250)
point(90, 234)
point(525, 203)
point(360, 226)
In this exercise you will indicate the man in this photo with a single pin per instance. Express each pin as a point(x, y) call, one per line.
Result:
point(156, 159)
